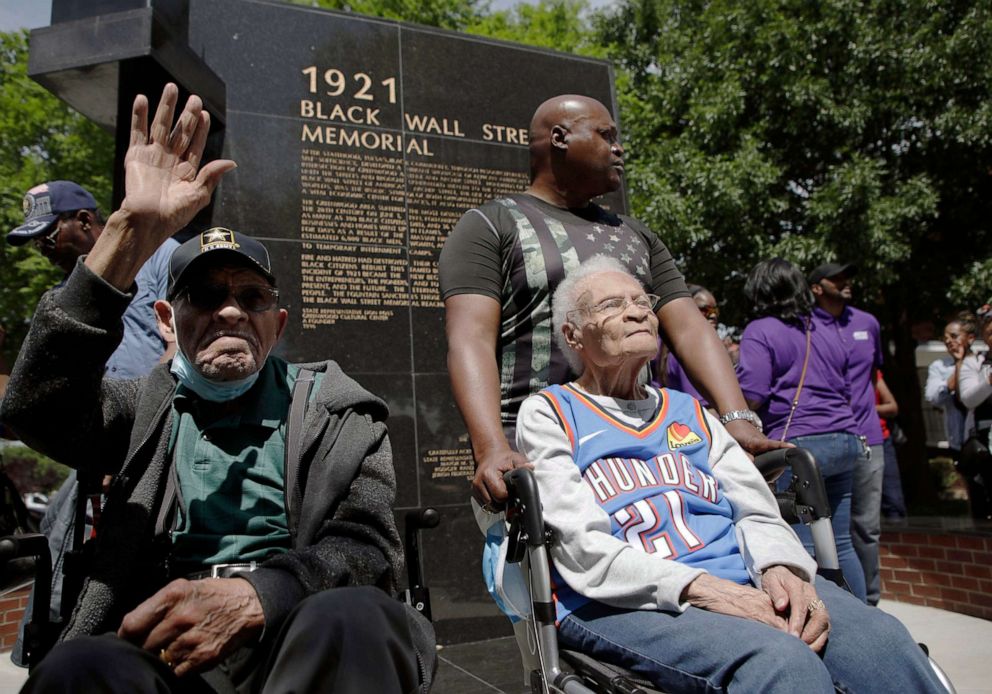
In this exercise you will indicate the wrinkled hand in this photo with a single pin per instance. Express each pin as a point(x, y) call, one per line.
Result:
point(708, 592)
point(488, 487)
point(792, 595)
point(752, 440)
point(164, 184)
point(194, 624)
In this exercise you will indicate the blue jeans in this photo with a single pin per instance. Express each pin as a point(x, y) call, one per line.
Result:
point(701, 651)
point(835, 455)
point(893, 504)
point(866, 517)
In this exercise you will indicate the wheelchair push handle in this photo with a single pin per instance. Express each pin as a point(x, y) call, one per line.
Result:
point(772, 464)
point(808, 483)
point(522, 487)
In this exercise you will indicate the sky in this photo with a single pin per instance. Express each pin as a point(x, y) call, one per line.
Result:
point(24, 14)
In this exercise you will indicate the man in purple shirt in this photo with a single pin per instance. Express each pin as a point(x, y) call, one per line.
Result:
point(859, 333)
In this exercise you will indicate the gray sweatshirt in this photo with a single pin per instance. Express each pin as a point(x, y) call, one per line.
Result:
point(605, 568)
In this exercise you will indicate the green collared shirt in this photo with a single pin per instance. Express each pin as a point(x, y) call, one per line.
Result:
point(230, 474)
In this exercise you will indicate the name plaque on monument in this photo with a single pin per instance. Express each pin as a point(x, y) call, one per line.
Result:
point(359, 143)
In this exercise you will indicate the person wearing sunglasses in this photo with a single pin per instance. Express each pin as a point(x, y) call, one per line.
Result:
point(240, 548)
point(62, 222)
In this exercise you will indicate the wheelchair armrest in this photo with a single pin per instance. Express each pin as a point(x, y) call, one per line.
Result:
point(33, 545)
point(27, 545)
point(417, 595)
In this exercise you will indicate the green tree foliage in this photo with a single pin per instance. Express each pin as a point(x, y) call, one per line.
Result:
point(31, 471)
point(41, 139)
point(447, 14)
point(557, 24)
point(856, 130)
point(842, 129)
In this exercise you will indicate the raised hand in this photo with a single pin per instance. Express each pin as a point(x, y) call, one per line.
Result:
point(164, 186)
point(164, 183)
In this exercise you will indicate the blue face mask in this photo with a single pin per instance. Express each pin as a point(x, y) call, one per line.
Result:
point(214, 391)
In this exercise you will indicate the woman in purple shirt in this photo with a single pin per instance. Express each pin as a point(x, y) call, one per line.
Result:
point(784, 345)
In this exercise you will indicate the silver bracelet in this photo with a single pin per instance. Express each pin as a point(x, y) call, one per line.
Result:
point(747, 415)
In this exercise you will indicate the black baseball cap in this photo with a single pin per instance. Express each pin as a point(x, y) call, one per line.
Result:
point(832, 270)
point(218, 243)
point(44, 203)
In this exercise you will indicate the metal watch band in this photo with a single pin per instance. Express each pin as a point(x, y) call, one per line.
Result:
point(749, 415)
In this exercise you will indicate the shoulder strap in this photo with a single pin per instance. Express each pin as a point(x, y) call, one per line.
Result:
point(294, 427)
point(802, 377)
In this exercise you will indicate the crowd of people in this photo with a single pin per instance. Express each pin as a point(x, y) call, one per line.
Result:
point(247, 538)
point(961, 385)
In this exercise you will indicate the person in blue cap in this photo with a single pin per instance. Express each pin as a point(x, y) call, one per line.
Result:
point(62, 221)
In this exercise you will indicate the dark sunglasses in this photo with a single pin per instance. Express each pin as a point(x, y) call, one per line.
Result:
point(710, 311)
point(253, 298)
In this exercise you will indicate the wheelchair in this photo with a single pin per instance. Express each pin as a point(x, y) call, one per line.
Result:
point(41, 631)
point(528, 541)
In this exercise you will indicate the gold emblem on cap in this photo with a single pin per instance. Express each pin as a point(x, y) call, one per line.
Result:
point(218, 237)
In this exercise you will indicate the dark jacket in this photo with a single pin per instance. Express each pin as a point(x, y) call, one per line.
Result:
point(339, 498)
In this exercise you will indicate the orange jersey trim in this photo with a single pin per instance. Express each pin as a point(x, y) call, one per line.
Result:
point(643, 432)
point(701, 416)
point(556, 406)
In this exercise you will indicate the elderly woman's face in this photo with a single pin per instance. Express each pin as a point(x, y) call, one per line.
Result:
point(615, 321)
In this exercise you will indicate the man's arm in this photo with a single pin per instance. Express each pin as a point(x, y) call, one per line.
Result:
point(472, 327)
point(707, 363)
point(77, 326)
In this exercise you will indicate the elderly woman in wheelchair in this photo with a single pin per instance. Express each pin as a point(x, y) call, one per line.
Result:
point(670, 557)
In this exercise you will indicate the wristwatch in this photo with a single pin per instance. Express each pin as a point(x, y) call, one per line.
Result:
point(748, 415)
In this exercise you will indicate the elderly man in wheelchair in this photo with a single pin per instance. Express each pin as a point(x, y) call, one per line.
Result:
point(670, 556)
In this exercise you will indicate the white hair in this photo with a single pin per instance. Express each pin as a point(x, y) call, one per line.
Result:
point(567, 295)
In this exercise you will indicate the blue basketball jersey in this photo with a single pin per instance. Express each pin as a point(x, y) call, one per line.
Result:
point(654, 481)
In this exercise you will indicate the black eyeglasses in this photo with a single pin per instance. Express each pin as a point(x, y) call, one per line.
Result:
point(253, 298)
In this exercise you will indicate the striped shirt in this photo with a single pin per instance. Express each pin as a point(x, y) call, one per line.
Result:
point(517, 250)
